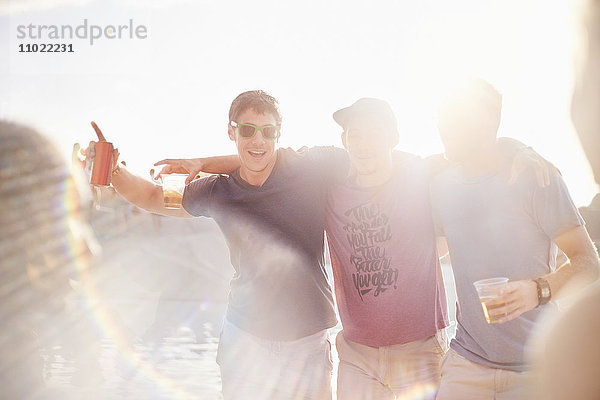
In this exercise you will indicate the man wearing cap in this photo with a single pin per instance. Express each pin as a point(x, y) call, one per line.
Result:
point(388, 281)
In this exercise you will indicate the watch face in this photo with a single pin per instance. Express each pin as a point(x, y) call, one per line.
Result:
point(545, 292)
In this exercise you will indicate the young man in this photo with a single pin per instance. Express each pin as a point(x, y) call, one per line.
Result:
point(388, 282)
point(494, 229)
point(274, 343)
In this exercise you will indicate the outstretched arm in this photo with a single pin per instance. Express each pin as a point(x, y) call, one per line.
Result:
point(223, 164)
point(143, 193)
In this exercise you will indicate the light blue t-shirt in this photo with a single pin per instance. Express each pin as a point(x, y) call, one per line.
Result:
point(494, 229)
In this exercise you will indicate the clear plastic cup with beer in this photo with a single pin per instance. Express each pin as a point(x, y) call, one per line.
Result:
point(489, 289)
point(173, 186)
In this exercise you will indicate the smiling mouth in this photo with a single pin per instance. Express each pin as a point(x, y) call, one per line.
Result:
point(257, 154)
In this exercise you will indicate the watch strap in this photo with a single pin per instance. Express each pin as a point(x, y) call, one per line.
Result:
point(543, 290)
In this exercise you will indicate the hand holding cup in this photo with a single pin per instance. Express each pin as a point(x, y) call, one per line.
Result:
point(173, 188)
point(515, 298)
point(490, 292)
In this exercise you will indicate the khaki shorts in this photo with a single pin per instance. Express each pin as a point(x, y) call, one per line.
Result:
point(409, 370)
point(463, 379)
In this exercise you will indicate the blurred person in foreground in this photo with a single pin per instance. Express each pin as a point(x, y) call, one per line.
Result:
point(494, 229)
point(45, 244)
point(585, 104)
point(566, 355)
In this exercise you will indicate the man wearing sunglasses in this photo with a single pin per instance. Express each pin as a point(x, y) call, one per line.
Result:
point(271, 210)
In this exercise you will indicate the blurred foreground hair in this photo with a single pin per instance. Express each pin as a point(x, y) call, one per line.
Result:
point(42, 245)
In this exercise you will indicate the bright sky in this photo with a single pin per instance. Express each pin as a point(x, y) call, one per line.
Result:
point(168, 95)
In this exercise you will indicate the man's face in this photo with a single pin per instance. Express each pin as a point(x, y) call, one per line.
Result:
point(256, 153)
point(369, 145)
point(465, 129)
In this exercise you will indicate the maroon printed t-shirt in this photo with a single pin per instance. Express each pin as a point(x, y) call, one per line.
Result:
point(388, 282)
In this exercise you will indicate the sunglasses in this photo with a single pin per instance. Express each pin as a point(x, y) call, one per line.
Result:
point(248, 131)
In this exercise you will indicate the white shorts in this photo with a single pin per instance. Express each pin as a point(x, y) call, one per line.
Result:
point(256, 368)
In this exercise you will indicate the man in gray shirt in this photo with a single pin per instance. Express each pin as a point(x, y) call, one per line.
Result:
point(494, 229)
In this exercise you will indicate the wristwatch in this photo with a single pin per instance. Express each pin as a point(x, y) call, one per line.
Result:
point(543, 289)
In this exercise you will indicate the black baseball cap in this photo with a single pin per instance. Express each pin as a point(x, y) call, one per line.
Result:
point(370, 109)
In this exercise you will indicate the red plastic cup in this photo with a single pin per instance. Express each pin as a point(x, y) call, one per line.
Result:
point(102, 168)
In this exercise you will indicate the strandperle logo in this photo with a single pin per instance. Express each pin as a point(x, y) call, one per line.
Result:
point(83, 31)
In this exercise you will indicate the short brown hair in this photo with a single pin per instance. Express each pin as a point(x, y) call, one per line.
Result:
point(259, 101)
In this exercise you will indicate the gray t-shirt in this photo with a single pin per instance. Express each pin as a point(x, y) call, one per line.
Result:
point(275, 235)
point(494, 229)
